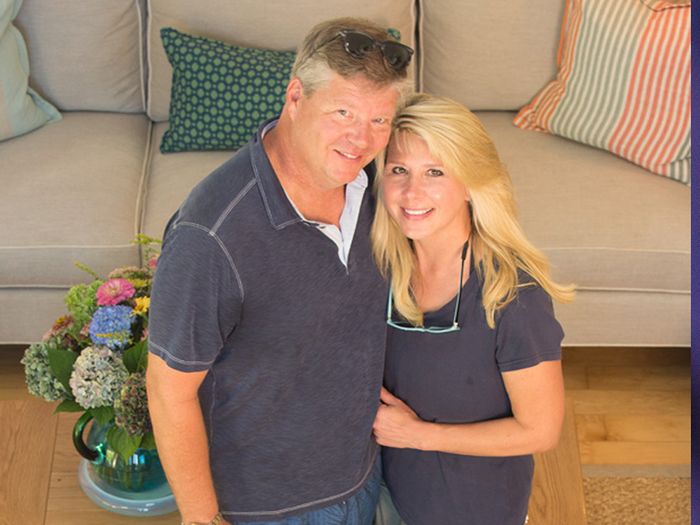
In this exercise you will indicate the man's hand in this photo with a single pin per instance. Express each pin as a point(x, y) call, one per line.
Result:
point(218, 519)
point(396, 424)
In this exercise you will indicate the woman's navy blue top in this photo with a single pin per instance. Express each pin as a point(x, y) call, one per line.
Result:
point(456, 378)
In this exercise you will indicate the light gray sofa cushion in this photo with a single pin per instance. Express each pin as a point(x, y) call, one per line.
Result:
point(240, 23)
point(71, 192)
point(27, 313)
point(604, 222)
point(170, 179)
point(86, 54)
point(622, 318)
point(489, 55)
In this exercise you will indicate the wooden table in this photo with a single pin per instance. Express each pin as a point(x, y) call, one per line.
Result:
point(557, 487)
point(39, 475)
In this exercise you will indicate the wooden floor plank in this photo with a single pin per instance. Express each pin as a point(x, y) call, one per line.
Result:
point(622, 356)
point(65, 457)
point(634, 453)
point(27, 435)
point(12, 385)
point(591, 427)
point(575, 376)
point(653, 428)
point(15, 392)
point(557, 486)
point(622, 402)
point(636, 378)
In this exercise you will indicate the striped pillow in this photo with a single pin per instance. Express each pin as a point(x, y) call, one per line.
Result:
point(623, 83)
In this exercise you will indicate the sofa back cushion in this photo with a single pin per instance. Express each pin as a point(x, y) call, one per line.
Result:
point(488, 55)
point(86, 54)
point(272, 24)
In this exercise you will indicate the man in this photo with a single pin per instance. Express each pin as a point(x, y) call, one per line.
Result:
point(266, 328)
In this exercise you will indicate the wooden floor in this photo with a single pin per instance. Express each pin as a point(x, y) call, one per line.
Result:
point(631, 408)
point(632, 405)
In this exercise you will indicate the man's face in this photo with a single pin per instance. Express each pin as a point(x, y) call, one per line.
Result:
point(341, 127)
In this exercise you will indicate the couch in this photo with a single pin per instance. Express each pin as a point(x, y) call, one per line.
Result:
point(79, 189)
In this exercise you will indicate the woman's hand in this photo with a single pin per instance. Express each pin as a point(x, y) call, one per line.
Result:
point(396, 424)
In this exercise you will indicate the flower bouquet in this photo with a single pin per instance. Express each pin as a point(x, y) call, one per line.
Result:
point(93, 359)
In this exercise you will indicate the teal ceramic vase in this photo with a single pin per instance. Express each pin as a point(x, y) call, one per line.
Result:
point(133, 486)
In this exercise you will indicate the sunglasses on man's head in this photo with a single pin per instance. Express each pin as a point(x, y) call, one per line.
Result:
point(358, 44)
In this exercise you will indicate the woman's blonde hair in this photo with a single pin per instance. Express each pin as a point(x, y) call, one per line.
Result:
point(456, 137)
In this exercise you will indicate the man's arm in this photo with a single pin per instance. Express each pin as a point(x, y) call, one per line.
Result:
point(181, 438)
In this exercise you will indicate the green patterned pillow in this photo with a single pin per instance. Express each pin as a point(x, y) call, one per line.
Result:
point(220, 93)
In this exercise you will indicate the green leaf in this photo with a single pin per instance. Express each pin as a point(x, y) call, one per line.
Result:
point(143, 362)
point(122, 443)
point(68, 406)
point(149, 441)
point(145, 239)
point(134, 357)
point(87, 269)
point(61, 363)
point(103, 415)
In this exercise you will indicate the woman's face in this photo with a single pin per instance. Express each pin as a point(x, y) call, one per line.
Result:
point(425, 200)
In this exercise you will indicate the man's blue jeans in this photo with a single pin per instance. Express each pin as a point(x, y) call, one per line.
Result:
point(357, 510)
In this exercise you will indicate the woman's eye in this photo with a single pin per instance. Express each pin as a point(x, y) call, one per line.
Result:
point(398, 170)
point(380, 120)
point(343, 112)
point(434, 172)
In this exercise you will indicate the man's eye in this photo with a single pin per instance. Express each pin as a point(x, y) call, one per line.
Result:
point(380, 120)
point(343, 112)
point(434, 172)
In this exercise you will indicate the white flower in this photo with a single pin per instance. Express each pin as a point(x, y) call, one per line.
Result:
point(98, 375)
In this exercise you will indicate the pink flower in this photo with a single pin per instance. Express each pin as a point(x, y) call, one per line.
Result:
point(114, 292)
point(152, 262)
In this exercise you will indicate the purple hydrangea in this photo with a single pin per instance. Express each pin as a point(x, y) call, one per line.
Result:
point(131, 406)
point(111, 326)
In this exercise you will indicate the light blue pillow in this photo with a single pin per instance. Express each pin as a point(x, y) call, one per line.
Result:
point(21, 108)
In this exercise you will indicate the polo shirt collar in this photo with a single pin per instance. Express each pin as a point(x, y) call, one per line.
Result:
point(280, 209)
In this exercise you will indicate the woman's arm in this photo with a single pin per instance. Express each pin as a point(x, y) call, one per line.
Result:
point(537, 399)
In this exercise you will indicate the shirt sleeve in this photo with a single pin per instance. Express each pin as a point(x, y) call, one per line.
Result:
point(195, 301)
point(528, 333)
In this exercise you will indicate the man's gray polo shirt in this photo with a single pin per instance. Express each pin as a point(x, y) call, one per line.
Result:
point(293, 340)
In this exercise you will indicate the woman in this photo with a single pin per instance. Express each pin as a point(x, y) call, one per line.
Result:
point(473, 381)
